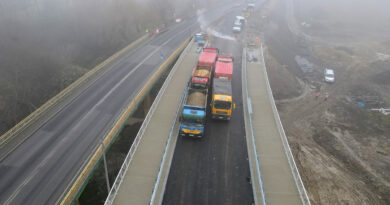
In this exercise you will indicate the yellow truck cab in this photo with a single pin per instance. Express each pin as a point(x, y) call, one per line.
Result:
point(221, 102)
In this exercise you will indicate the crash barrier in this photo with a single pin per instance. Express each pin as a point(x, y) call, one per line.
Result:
point(171, 134)
point(122, 172)
point(6, 137)
point(80, 182)
point(249, 110)
point(297, 177)
point(154, 200)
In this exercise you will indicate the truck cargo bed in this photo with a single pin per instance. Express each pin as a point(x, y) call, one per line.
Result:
point(222, 86)
point(202, 73)
point(196, 98)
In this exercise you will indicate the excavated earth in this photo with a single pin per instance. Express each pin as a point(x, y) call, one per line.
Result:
point(341, 146)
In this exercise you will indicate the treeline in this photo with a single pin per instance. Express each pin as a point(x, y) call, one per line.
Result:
point(47, 44)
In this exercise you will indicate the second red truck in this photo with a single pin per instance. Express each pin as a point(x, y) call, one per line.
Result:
point(201, 75)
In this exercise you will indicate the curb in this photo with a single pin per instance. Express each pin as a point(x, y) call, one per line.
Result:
point(254, 164)
point(295, 172)
point(80, 182)
point(34, 116)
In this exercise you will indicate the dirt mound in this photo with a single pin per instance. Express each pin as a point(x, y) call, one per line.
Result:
point(342, 149)
point(287, 85)
point(196, 99)
point(202, 73)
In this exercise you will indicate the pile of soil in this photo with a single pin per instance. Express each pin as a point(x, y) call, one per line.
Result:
point(342, 149)
point(196, 99)
point(202, 73)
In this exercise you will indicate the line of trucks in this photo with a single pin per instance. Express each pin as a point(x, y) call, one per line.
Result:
point(211, 79)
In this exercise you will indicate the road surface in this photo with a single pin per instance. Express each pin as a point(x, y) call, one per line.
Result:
point(140, 177)
point(40, 169)
point(215, 169)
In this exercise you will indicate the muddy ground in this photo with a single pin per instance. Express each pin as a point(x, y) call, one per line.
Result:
point(341, 147)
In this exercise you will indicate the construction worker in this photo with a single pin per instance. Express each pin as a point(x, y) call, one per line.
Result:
point(326, 96)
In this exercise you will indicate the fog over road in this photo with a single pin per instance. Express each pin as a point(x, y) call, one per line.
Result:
point(215, 169)
point(40, 169)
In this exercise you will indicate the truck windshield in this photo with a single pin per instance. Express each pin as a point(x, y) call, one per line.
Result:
point(199, 85)
point(329, 75)
point(194, 121)
point(222, 104)
point(200, 67)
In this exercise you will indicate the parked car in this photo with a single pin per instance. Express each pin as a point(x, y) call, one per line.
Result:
point(329, 75)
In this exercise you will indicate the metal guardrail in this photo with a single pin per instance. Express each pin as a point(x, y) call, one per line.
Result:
point(385, 111)
point(245, 77)
point(126, 163)
point(157, 184)
point(153, 198)
point(118, 125)
point(119, 179)
point(297, 177)
point(57, 98)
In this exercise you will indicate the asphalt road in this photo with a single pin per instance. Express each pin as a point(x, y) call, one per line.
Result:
point(40, 169)
point(215, 169)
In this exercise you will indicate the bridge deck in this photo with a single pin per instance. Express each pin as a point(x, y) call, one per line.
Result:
point(140, 178)
point(278, 180)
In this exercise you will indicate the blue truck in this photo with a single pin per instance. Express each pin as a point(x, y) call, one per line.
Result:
point(193, 117)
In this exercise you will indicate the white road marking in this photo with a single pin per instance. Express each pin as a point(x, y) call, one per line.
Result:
point(37, 169)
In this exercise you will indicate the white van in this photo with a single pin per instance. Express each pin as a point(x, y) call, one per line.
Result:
point(329, 75)
point(241, 19)
point(237, 23)
point(236, 29)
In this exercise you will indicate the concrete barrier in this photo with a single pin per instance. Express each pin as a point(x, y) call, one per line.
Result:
point(81, 180)
point(257, 180)
point(297, 177)
point(6, 137)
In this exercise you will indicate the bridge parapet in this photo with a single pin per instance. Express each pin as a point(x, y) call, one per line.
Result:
point(138, 181)
point(279, 181)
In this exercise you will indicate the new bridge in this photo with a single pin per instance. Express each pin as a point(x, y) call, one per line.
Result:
point(243, 161)
point(47, 158)
point(52, 152)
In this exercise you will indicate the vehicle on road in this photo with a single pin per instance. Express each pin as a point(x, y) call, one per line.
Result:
point(329, 75)
point(237, 23)
point(198, 37)
point(201, 74)
point(224, 67)
point(241, 19)
point(201, 39)
point(222, 101)
point(236, 29)
point(251, 6)
point(193, 117)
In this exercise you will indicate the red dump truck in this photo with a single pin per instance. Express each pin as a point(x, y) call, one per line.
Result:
point(224, 67)
point(201, 74)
